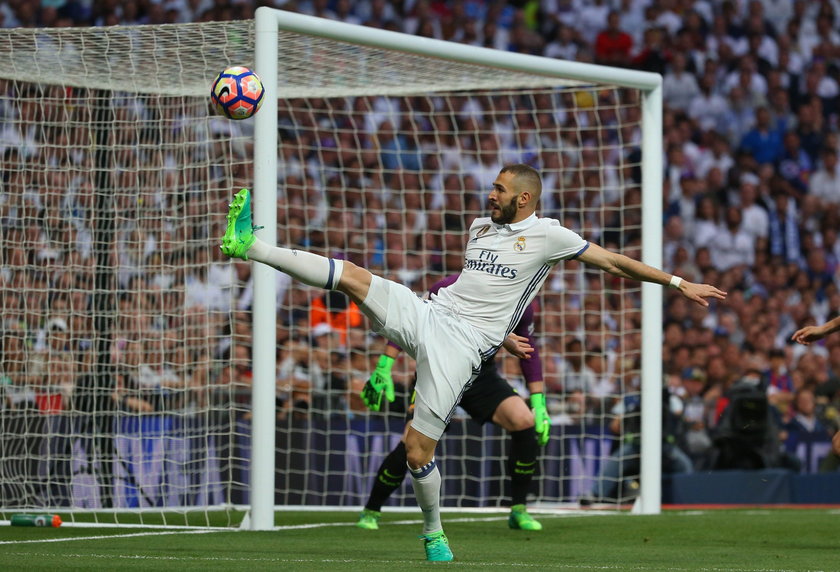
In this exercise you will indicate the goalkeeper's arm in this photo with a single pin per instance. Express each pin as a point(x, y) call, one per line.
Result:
point(380, 381)
point(542, 422)
point(533, 374)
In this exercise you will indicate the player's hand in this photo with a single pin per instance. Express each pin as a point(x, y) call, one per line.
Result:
point(380, 383)
point(542, 422)
point(807, 335)
point(518, 346)
point(699, 292)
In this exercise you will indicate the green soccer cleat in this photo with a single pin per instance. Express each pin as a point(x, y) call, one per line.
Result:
point(519, 519)
point(239, 235)
point(437, 547)
point(369, 519)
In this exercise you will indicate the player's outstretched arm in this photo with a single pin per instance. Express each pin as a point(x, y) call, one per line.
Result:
point(533, 374)
point(626, 267)
point(810, 334)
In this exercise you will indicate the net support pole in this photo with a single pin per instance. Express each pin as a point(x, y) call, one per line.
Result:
point(265, 283)
point(650, 494)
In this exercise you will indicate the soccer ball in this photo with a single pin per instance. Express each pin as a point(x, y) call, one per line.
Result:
point(237, 93)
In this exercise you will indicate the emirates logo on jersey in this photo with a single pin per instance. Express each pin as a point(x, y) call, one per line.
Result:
point(519, 245)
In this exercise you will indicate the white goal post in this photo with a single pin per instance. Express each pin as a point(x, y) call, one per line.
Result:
point(269, 64)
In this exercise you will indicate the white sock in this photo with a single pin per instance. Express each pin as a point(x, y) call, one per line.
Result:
point(311, 269)
point(426, 482)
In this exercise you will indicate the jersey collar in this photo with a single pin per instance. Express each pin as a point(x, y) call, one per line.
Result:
point(518, 226)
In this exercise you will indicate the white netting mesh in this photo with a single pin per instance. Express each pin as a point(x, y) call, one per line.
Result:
point(126, 346)
point(183, 59)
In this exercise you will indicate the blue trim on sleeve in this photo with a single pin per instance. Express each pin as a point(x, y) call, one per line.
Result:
point(579, 252)
point(329, 285)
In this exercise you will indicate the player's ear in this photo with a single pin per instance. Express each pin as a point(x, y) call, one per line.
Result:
point(523, 199)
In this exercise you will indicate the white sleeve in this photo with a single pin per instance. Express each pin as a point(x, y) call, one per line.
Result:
point(562, 243)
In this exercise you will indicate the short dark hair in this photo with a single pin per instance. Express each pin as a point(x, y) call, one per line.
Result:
point(529, 175)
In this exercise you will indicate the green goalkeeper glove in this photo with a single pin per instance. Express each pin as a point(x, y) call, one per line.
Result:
point(542, 422)
point(380, 381)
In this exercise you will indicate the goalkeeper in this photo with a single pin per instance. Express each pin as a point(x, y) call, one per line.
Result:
point(489, 398)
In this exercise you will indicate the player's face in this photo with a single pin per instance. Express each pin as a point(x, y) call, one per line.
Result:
point(502, 200)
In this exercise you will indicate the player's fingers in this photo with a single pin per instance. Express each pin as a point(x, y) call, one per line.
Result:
point(713, 292)
point(700, 300)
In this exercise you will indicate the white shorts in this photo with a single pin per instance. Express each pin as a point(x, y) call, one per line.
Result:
point(447, 350)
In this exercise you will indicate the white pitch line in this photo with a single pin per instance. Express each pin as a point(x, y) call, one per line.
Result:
point(109, 536)
point(185, 530)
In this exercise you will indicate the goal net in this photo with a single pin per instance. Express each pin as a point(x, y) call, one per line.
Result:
point(127, 336)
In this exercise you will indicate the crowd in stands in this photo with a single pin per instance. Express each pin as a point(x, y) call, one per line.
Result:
point(751, 204)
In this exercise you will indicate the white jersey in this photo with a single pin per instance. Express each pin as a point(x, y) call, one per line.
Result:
point(504, 268)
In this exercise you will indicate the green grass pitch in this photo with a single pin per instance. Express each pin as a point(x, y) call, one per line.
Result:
point(716, 540)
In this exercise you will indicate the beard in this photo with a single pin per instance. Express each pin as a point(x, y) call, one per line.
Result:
point(506, 213)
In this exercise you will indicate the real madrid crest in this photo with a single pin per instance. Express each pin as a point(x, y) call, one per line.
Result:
point(519, 245)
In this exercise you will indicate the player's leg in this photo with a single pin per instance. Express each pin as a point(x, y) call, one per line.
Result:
point(239, 241)
point(491, 398)
point(389, 477)
point(516, 418)
point(420, 443)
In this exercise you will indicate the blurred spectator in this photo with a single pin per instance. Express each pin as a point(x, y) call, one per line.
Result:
point(652, 57)
point(825, 182)
point(763, 142)
point(732, 246)
point(780, 389)
point(695, 441)
point(739, 118)
point(17, 385)
point(613, 45)
point(795, 164)
point(784, 229)
point(707, 106)
point(756, 221)
point(335, 311)
point(563, 45)
point(679, 87)
point(805, 430)
point(592, 17)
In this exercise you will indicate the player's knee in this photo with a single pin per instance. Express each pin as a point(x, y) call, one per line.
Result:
point(418, 459)
point(417, 456)
point(354, 281)
point(514, 417)
point(522, 422)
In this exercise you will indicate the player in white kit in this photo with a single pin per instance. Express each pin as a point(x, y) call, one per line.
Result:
point(508, 257)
